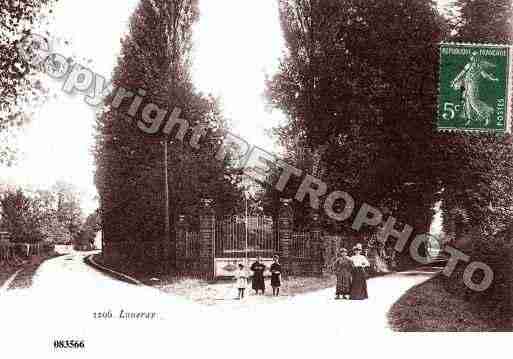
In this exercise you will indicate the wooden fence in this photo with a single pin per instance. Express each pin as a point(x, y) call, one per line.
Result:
point(10, 250)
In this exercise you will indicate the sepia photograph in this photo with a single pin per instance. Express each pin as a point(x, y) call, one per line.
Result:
point(254, 178)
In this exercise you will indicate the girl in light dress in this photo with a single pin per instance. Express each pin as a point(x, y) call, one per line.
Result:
point(241, 278)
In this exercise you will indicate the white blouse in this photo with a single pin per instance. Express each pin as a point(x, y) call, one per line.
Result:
point(360, 261)
point(241, 278)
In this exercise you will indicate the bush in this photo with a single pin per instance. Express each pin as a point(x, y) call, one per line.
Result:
point(497, 300)
point(56, 232)
point(22, 218)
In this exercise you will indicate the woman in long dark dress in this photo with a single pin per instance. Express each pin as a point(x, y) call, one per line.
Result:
point(343, 268)
point(360, 267)
point(258, 276)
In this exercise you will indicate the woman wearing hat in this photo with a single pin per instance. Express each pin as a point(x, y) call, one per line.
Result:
point(343, 268)
point(360, 265)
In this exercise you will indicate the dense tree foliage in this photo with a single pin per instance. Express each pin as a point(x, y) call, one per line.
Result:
point(19, 87)
point(485, 21)
point(23, 217)
point(84, 239)
point(68, 206)
point(358, 83)
point(35, 215)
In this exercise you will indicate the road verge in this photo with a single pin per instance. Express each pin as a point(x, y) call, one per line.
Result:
point(91, 260)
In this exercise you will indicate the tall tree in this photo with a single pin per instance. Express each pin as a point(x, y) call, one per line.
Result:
point(68, 207)
point(358, 82)
point(130, 177)
point(485, 21)
point(478, 170)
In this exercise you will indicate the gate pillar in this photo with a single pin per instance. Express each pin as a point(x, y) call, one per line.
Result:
point(316, 245)
point(207, 238)
point(285, 225)
point(181, 233)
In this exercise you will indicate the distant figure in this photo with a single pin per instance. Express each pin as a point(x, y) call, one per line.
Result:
point(276, 276)
point(372, 254)
point(258, 276)
point(343, 268)
point(390, 255)
point(377, 260)
point(241, 277)
point(360, 266)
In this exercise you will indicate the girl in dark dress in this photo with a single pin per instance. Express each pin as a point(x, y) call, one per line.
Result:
point(276, 276)
point(258, 276)
point(343, 269)
point(360, 265)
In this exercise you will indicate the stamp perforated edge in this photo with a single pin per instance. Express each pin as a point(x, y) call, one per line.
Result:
point(509, 91)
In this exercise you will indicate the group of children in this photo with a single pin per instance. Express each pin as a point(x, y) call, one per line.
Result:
point(258, 283)
point(351, 273)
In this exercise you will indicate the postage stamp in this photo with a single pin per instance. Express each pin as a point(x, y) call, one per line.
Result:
point(474, 87)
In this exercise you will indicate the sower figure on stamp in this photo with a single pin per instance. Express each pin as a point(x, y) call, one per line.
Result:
point(360, 267)
point(467, 81)
point(276, 275)
point(258, 276)
point(343, 268)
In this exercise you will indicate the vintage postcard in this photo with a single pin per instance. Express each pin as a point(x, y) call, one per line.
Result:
point(256, 178)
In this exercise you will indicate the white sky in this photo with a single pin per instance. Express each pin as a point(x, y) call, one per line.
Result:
point(236, 43)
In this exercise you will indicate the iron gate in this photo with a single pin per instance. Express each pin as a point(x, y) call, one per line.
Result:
point(238, 238)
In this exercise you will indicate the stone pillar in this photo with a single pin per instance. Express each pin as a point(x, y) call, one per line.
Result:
point(169, 254)
point(316, 245)
point(207, 238)
point(181, 232)
point(285, 225)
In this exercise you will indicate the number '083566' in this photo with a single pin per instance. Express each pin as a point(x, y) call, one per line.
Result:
point(68, 344)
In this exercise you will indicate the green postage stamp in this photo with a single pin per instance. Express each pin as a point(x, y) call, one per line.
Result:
point(474, 87)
